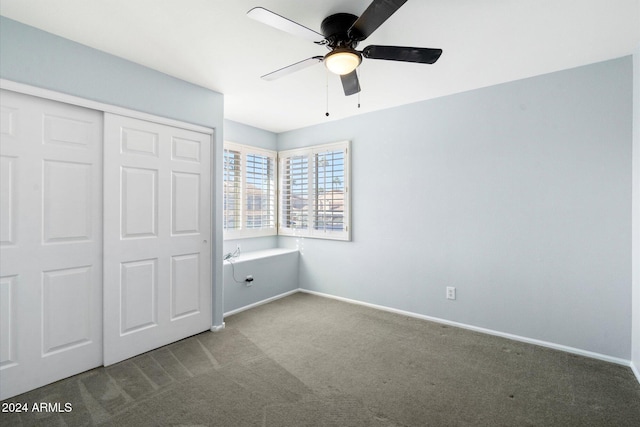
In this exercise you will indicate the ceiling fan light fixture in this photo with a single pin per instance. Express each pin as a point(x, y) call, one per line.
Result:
point(342, 61)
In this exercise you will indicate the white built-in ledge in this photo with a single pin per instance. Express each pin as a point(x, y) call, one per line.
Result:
point(267, 253)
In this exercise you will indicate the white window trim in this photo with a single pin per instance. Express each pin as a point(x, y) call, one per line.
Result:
point(310, 152)
point(245, 232)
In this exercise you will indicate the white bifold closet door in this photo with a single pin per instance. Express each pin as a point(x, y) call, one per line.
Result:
point(50, 241)
point(157, 230)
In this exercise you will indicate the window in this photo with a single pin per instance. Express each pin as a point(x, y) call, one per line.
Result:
point(313, 187)
point(249, 181)
point(314, 191)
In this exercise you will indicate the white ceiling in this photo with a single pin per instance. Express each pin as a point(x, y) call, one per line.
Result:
point(213, 44)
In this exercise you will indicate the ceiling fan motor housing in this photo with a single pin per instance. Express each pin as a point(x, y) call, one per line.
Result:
point(336, 27)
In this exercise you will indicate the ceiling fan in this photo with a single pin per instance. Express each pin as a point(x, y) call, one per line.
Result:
point(341, 33)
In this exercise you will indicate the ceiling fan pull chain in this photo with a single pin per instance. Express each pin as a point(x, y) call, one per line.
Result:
point(327, 91)
point(359, 72)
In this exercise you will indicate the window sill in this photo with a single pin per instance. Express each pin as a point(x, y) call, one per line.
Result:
point(266, 253)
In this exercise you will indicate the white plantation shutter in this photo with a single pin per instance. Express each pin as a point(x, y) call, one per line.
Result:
point(329, 191)
point(294, 192)
point(260, 194)
point(314, 192)
point(249, 191)
point(232, 184)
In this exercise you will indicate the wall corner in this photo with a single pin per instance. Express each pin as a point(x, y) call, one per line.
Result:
point(635, 280)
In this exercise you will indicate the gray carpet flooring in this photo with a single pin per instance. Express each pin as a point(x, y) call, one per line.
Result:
point(311, 361)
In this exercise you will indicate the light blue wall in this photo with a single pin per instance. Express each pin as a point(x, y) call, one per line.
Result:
point(519, 195)
point(274, 274)
point(636, 213)
point(37, 58)
point(249, 135)
point(41, 59)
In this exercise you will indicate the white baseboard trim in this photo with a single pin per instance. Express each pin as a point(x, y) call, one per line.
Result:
point(541, 343)
point(217, 328)
point(265, 301)
point(636, 371)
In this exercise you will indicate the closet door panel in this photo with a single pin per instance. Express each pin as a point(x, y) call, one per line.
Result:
point(157, 235)
point(50, 241)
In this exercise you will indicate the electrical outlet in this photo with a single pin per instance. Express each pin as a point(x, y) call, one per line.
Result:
point(451, 292)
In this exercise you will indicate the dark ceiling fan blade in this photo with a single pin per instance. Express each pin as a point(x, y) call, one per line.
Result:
point(422, 55)
point(350, 83)
point(375, 15)
point(274, 20)
point(293, 68)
